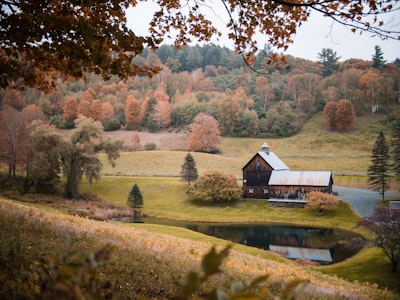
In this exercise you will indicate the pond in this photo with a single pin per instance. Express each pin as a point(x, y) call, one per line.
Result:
point(322, 245)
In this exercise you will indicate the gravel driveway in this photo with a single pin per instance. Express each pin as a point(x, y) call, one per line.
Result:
point(363, 201)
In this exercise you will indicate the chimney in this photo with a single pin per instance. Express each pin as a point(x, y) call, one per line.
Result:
point(265, 148)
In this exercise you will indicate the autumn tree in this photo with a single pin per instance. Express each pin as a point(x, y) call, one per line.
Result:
point(229, 115)
point(44, 166)
point(379, 168)
point(14, 98)
point(40, 43)
point(77, 156)
point(329, 61)
point(386, 228)
point(339, 115)
point(203, 135)
point(96, 110)
point(32, 112)
point(320, 201)
point(280, 120)
point(371, 85)
point(161, 114)
point(70, 111)
point(329, 114)
point(84, 108)
point(12, 138)
point(188, 169)
point(135, 197)
point(264, 91)
point(135, 142)
point(132, 112)
point(215, 187)
point(344, 115)
point(147, 107)
point(109, 121)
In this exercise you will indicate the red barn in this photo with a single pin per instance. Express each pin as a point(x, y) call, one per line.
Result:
point(266, 176)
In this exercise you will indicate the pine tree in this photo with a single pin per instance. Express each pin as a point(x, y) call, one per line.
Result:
point(135, 198)
point(329, 60)
point(377, 59)
point(378, 171)
point(189, 170)
point(396, 147)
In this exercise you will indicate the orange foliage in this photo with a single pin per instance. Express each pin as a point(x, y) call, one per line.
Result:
point(14, 98)
point(132, 112)
point(344, 116)
point(321, 201)
point(339, 115)
point(84, 108)
point(204, 135)
point(108, 111)
point(70, 109)
point(96, 110)
point(31, 113)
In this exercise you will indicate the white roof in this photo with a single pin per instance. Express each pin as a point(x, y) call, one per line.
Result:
point(306, 253)
point(273, 160)
point(312, 178)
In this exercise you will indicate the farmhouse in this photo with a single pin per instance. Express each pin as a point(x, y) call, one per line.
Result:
point(266, 176)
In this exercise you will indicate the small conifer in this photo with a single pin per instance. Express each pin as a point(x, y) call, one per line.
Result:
point(135, 198)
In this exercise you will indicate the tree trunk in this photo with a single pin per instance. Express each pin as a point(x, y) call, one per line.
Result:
point(394, 266)
point(71, 189)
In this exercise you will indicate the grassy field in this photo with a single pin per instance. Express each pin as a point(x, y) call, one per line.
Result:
point(164, 197)
point(347, 155)
point(170, 250)
point(149, 260)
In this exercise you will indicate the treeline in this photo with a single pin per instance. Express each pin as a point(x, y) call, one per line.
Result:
point(271, 100)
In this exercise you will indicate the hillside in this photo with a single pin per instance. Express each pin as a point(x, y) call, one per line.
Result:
point(313, 148)
point(146, 262)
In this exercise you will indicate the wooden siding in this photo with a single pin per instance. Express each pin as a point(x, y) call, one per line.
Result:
point(256, 176)
point(284, 184)
point(295, 191)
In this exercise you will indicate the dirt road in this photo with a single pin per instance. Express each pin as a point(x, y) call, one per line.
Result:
point(363, 201)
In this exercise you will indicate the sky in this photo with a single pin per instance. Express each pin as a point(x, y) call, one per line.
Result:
point(314, 35)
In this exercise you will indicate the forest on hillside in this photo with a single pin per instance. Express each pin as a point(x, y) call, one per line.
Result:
point(264, 100)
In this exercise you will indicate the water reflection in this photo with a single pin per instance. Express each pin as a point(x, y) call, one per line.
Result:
point(317, 244)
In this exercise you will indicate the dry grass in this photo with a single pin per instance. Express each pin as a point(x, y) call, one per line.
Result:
point(314, 148)
point(139, 251)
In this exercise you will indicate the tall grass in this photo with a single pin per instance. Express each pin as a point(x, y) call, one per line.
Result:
point(147, 262)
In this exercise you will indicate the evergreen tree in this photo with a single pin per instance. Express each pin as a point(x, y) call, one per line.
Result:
point(396, 147)
point(189, 170)
point(378, 171)
point(329, 60)
point(377, 59)
point(135, 198)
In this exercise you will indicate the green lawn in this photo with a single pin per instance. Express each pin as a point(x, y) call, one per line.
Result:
point(164, 197)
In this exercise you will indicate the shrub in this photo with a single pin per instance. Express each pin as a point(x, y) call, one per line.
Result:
point(150, 146)
point(321, 201)
point(215, 187)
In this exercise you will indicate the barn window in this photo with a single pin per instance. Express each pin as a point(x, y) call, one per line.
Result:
point(265, 191)
point(251, 191)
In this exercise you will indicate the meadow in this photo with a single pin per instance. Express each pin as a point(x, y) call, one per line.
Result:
point(314, 148)
point(152, 259)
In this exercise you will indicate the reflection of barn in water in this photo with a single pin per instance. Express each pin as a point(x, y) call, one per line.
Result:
point(266, 176)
